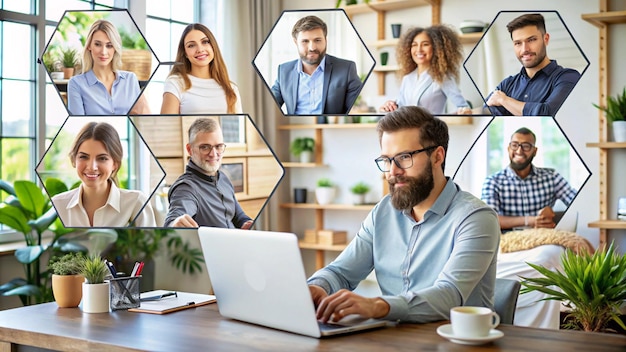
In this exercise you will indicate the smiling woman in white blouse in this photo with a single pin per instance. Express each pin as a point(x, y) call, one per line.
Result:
point(199, 83)
point(98, 201)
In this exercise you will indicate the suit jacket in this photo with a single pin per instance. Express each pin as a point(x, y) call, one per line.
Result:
point(340, 80)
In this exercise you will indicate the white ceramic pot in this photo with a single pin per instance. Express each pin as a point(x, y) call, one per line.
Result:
point(619, 131)
point(358, 199)
point(325, 195)
point(306, 157)
point(56, 75)
point(96, 298)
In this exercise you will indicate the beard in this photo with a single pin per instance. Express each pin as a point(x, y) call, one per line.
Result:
point(320, 56)
point(415, 190)
point(539, 57)
point(208, 168)
point(521, 166)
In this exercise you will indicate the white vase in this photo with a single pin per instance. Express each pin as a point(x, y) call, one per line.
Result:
point(96, 298)
point(358, 199)
point(306, 157)
point(325, 195)
point(619, 131)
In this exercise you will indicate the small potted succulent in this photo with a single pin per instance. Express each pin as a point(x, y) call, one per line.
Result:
point(325, 191)
point(95, 290)
point(359, 190)
point(302, 147)
point(67, 279)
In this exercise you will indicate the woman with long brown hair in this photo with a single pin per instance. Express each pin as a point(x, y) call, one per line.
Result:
point(430, 60)
point(199, 83)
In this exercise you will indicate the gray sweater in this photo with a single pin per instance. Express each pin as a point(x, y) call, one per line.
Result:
point(209, 200)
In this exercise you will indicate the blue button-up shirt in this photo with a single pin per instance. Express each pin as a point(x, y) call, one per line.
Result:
point(310, 90)
point(543, 94)
point(423, 268)
point(86, 95)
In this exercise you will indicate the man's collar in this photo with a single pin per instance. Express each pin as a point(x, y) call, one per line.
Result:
point(196, 170)
point(548, 69)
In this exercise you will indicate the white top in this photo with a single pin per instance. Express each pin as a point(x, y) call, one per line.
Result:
point(121, 208)
point(422, 90)
point(205, 96)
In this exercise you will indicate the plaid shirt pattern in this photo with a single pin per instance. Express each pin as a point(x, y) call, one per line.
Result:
point(510, 195)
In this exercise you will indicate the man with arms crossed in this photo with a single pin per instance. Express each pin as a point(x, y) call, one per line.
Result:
point(522, 194)
point(542, 85)
point(433, 246)
point(203, 195)
point(316, 83)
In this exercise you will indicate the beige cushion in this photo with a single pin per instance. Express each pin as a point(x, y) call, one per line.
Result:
point(530, 238)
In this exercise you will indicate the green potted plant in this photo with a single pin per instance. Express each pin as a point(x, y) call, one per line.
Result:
point(359, 190)
point(68, 59)
point(615, 112)
point(136, 56)
point(593, 285)
point(325, 191)
point(67, 279)
point(303, 147)
point(28, 210)
point(95, 290)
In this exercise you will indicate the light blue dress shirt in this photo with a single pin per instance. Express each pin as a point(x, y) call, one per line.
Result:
point(310, 90)
point(423, 268)
point(86, 95)
point(423, 91)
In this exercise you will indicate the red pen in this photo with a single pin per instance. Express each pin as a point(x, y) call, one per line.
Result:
point(139, 269)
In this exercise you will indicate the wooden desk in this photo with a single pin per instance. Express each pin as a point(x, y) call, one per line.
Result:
point(203, 329)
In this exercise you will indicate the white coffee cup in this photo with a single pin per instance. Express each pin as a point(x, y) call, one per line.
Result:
point(470, 322)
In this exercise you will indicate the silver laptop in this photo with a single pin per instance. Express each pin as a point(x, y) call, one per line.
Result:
point(258, 277)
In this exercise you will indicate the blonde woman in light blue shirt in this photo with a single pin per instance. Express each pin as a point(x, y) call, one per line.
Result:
point(103, 88)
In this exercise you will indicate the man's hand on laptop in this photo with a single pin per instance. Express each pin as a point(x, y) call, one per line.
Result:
point(184, 220)
point(343, 302)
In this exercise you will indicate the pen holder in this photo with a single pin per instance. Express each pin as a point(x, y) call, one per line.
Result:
point(125, 292)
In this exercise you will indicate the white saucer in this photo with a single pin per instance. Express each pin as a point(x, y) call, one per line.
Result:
point(446, 331)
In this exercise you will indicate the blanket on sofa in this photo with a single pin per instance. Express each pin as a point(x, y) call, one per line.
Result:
point(530, 238)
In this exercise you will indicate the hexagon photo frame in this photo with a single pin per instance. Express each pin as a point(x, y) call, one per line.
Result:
point(275, 62)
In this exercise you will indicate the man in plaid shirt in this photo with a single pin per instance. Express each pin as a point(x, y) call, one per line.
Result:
point(522, 194)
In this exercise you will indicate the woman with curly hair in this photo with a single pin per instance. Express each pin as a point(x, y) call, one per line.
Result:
point(430, 60)
point(199, 83)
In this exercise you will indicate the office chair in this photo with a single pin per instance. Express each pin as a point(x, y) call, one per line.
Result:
point(505, 299)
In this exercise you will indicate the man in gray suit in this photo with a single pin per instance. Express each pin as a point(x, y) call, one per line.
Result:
point(316, 83)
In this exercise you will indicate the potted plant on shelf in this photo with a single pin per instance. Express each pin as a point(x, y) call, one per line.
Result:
point(95, 290)
point(359, 191)
point(68, 59)
point(303, 147)
point(615, 112)
point(325, 191)
point(67, 279)
point(592, 285)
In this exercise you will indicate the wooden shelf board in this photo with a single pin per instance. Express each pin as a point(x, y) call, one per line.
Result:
point(384, 42)
point(607, 145)
point(356, 9)
point(608, 224)
point(470, 38)
point(327, 126)
point(387, 68)
point(327, 206)
point(297, 164)
point(391, 5)
point(323, 247)
point(601, 19)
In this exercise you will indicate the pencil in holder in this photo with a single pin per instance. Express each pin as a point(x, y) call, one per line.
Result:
point(124, 292)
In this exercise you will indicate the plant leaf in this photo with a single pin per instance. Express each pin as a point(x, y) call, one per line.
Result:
point(29, 254)
point(14, 218)
point(31, 197)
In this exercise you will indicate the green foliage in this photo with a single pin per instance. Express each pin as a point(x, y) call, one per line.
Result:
point(68, 57)
point(615, 109)
point(594, 285)
point(360, 188)
point(132, 40)
point(49, 61)
point(78, 22)
point(69, 264)
point(94, 269)
point(324, 182)
point(28, 210)
point(302, 144)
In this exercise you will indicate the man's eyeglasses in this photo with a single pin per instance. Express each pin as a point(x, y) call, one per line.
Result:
point(206, 148)
point(525, 146)
point(403, 160)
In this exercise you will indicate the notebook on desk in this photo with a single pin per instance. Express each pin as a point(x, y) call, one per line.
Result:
point(164, 302)
point(258, 277)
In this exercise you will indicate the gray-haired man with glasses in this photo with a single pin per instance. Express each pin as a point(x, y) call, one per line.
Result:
point(203, 195)
point(522, 194)
point(432, 245)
